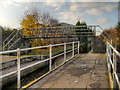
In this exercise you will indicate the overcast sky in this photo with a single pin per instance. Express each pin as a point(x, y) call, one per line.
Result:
point(103, 13)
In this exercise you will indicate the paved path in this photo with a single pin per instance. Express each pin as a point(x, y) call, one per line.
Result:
point(98, 45)
point(84, 71)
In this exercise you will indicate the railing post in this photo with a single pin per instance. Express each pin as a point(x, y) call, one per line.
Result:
point(107, 51)
point(3, 46)
point(18, 68)
point(115, 69)
point(73, 49)
point(108, 58)
point(111, 41)
point(78, 47)
point(50, 56)
point(110, 52)
point(8, 46)
point(64, 52)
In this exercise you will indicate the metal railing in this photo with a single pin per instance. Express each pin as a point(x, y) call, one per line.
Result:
point(65, 51)
point(56, 32)
point(108, 37)
point(112, 54)
point(11, 40)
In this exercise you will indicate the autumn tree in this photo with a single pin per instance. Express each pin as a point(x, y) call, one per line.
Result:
point(35, 19)
point(118, 35)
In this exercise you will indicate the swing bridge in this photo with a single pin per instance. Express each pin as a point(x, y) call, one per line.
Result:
point(97, 69)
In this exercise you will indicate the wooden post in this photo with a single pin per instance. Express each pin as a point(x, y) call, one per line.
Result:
point(18, 68)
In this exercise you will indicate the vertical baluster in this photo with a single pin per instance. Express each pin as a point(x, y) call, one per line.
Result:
point(50, 56)
point(3, 46)
point(64, 52)
point(18, 68)
point(115, 69)
point(78, 47)
point(110, 53)
point(73, 49)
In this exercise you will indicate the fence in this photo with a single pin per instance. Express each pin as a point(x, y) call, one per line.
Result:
point(75, 46)
point(112, 55)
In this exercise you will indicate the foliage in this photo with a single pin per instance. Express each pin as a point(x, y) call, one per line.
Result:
point(37, 20)
point(6, 31)
point(114, 33)
point(81, 35)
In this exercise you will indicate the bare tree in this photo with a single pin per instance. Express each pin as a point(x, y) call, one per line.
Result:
point(48, 20)
point(53, 21)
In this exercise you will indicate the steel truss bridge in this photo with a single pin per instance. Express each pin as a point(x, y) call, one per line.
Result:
point(68, 32)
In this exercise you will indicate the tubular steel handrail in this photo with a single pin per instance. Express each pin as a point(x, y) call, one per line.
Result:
point(48, 59)
point(8, 38)
point(111, 65)
point(112, 54)
point(60, 32)
point(15, 36)
point(109, 37)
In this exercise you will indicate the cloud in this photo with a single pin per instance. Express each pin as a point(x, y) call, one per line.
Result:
point(110, 8)
point(102, 20)
point(70, 16)
point(75, 6)
point(94, 0)
point(106, 6)
point(8, 3)
point(94, 11)
point(56, 5)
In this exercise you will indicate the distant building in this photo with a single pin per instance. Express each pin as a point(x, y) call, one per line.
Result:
point(64, 24)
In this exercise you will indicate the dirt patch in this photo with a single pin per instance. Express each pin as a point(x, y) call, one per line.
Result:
point(95, 85)
point(78, 71)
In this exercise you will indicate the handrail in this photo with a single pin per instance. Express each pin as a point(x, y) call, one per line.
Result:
point(23, 68)
point(14, 43)
point(9, 36)
point(62, 27)
point(10, 40)
point(73, 27)
point(112, 65)
point(65, 33)
point(108, 36)
point(16, 33)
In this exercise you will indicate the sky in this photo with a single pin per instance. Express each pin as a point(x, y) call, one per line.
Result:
point(94, 12)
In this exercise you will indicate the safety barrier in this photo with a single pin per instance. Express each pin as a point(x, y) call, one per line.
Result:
point(18, 51)
point(112, 54)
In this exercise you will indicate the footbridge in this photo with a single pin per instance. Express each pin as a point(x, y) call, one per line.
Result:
point(64, 65)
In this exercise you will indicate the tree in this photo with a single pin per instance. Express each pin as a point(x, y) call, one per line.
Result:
point(81, 35)
point(118, 35)
point(118, 30)
point(35, 19)
point(31, 20)
point(47, 20)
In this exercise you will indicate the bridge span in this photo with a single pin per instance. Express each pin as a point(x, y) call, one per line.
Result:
point(67, 67)
point(83, 71)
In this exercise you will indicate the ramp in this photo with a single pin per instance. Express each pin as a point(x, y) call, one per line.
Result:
point(84, 71)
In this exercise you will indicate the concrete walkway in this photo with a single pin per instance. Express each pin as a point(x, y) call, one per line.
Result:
point(84, 71)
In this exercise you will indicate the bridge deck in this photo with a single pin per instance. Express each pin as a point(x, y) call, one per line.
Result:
point(84, 71)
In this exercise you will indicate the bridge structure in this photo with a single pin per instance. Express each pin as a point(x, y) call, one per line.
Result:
point(20, 38)
point(74, 69)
